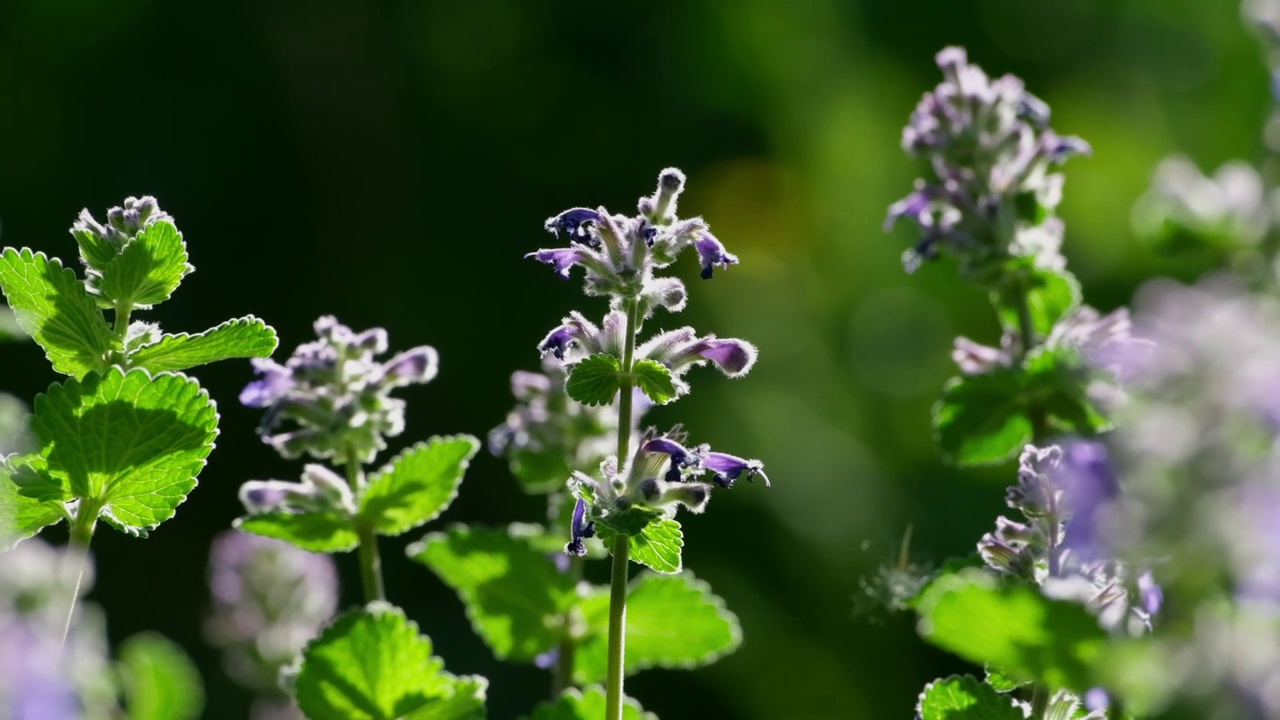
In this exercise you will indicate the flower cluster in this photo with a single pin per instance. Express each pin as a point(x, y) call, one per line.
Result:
point(337, 393)
point(661, 475)
point(268, 600)
point(992, 153)
point(1230, 210)
point(100, 243)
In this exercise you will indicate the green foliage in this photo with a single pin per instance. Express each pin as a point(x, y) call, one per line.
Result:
point(147, 269)
point(654, 379)
point(160, 681)
point(586, 704)
point(127, 445)
point(371, 664)
point(316, 531)
point(245, 337)
point(53, 306)
point(673, 621)
point(964, 698)
point(1003, 682)
point(595, 380)
point(1051, 295)
point(1012, 626)
point(417, 485)
point(1057, 381)
point(22, 516)
point(514, 594)
point(657, 546)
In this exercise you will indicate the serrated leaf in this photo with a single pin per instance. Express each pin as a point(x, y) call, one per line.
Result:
point(148, 269)
point(964, 698)
point(595, 380)
point(417, 485)
point(631, 521)
point(1013, 627)
point(326, 532)
point(514, 595)
point(1050, 295)
point(656, 547)
point(586, 704)
point(654, 379)
point(673, 621)
point(160, 681)
point(246, 337)
point(1057, 381)
point(52, 305)
point(127, 442)
point(981, 419)
point(22, 516)
point(1003, 682)
point(371, 664)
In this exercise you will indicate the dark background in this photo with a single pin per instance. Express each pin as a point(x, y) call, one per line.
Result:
point(391, 162)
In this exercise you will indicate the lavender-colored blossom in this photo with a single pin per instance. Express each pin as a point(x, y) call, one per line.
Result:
point(275, 383)
point(558, 340)
point(1229, 209)
point(975, 359)
point(574, 223)
point(580, 530)
point(412, 367)
point(712, 253)
point(728, 468)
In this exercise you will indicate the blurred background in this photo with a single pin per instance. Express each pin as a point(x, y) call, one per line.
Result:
point(390, 163)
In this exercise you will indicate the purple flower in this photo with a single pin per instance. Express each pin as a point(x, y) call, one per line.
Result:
point(573, 222)
point(548, 659)
point(728, 468)
point(712, 253)
point(276, 382)
point(680, 456)
point(580, 530)
point(557, 341)
point(1151, 594)
point(418, 365)
point(560, 258)
point(734, 357)
point(1088, 482)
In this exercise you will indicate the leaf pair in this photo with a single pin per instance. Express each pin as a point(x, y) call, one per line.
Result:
point(597, 379)
point(410, 490)
point(522, 606)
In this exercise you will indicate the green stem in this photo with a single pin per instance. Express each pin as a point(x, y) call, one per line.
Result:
point(370, 562)
point(621, 543)
point(81, 535)
point(1039, 701)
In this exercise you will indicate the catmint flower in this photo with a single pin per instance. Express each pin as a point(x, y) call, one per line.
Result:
point(336, 393)
point(1229, 209)
point(123, 224)
point(580, 530)
point(620, 253)
point(726, 468)
point(992, 156)
point(268, 600)
point(975, 359)
point(321, 489)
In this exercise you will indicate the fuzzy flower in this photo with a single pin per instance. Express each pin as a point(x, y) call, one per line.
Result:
point(268, 599)
point(992, 154)
point(620, 253)
point(336, 394)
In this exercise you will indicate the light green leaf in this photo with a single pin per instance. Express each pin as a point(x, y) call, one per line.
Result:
point(981, 419)
point(160, 681)
point(148, 268)
point(127, 442)
point(586, 704)
point(22, 516)
point(657, 546)
point(514, 595)
point(1003, 682)
point(654, 379)
point(417, 485)
point(52, 305)
point(594, 381)
point(1051, 295)
point(246, 337)
point(371, 664)
point(1013, 627)
point(964, 698)
point(326, 532)
point(673, 621)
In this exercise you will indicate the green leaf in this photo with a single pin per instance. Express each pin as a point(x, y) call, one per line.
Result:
point(417, 485)
point(631, 521)
point(326, 532)
point(371, 664)
point(1057, 381)
point(148, 268)
point(654, 379)
point(127, 442)
point(1051, 295)
point(586, 704)
point(657, 546)
point(1003, 682)
point(52, 305)
point(964, 698)
point(514, 595)
point(594, 381)
point(21, 515)
point(160, 681)
point(673, 621)
point(246, 337)
point(1013, 627)
point(981, 419)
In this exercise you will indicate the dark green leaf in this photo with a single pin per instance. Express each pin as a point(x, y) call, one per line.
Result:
point(594, 381)
point(514, 595)
point(586, 704)
point(981, 419)
point(1057, 382)
point(654, 379)
point(160, 681)
point(52, 305)
point(148, 268)
point(417, 485)
point(1050, 296)
point(315, 531)
point(964, 698)
point(246, 337)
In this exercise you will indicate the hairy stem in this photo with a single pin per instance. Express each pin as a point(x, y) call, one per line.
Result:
point(621, 543)
point(1026, 342)
point(370, 562)
point(81, 535)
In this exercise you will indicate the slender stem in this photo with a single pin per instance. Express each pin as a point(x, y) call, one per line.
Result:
point(123, 311)
point(621, 543)
point(1039, 701)
point(81, 535)
point(370, 562)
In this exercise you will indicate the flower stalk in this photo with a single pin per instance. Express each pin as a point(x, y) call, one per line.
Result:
point(621, 543)
point(370, 561)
